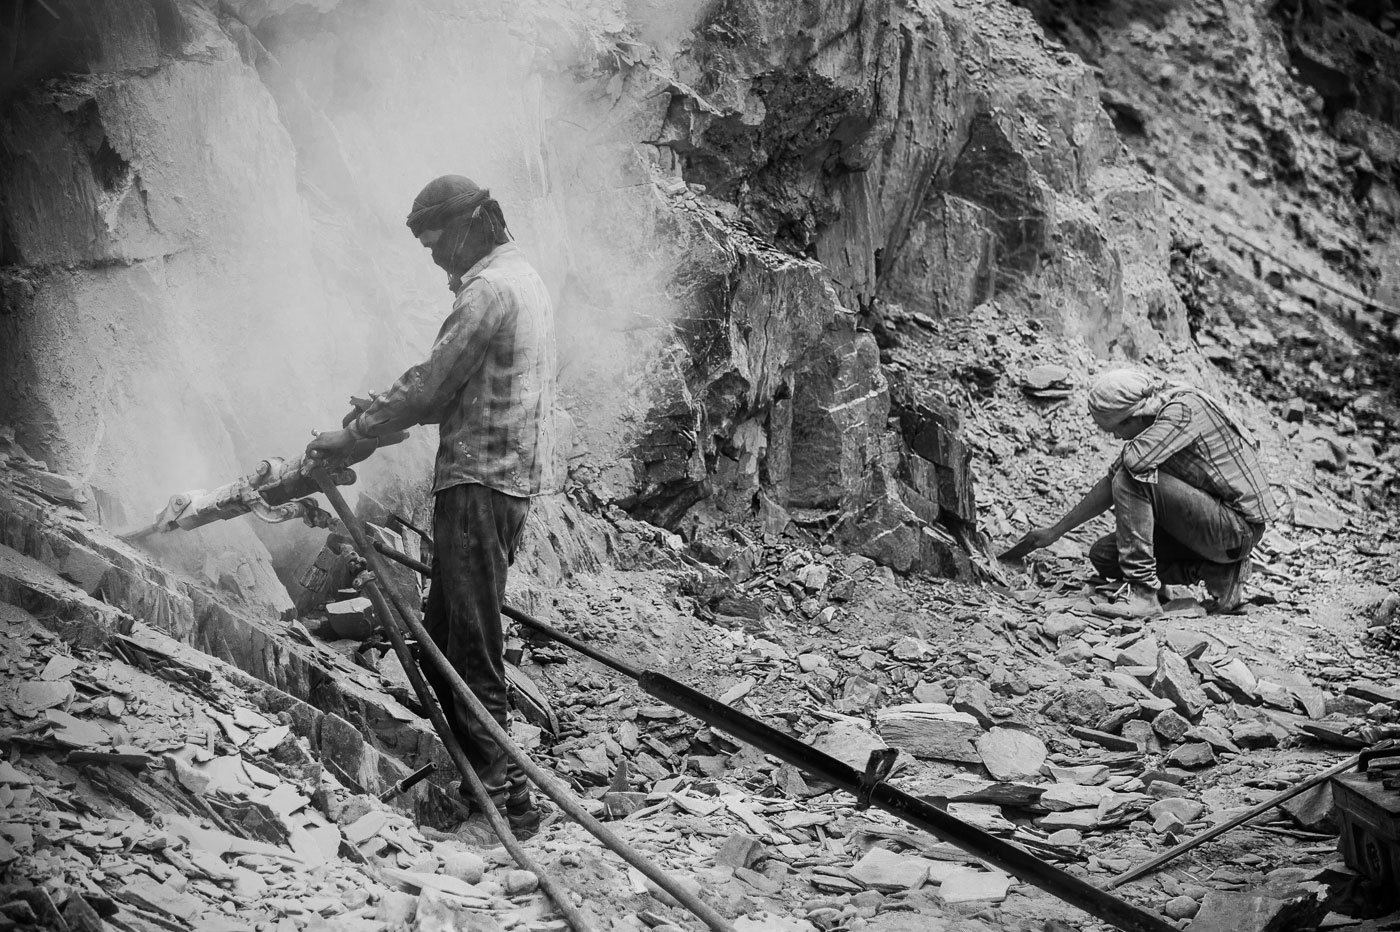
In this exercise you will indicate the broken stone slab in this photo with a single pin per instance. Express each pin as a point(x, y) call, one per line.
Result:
point(1139, 652)
point(1309, 512)
point(1192, 756)
point(1085, 775)
point(975, 699)
point(64, 490)
point(1065, 796)
point(969, 885)
point(143, 891)
point(1218, 741)
point(966, 789)
point(1374, 692)
point(1010, 754)
point(1186, 643)
point(1079, 820)
point(739, 850)
point(1063, 625)
point(848, 740)
point(1237, 676)
point(1174, 680)
point(1255, 735)
point(1102, 738)
point(1044, 377)
point(1142, 735)
point(931, 731)
point(888, 872)
point(40, 695)
point(1117, 679)
point(1224, 911)
point(1182, 809)
point(1314, 809)
point(1275, 695)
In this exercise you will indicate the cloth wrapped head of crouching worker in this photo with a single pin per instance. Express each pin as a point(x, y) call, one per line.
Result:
point(1120, 394)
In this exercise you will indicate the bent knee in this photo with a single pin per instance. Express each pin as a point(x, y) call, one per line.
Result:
point(1104, 556)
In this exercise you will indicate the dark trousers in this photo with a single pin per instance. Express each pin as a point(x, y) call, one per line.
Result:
point(1169, 531)
point(476, 531)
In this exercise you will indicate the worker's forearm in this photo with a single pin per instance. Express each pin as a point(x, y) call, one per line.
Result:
point(1095, 502)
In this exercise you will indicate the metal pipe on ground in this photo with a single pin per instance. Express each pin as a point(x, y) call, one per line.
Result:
point(428, 698)
point(1171, 854)
point(571, 807)
point(1014, 860)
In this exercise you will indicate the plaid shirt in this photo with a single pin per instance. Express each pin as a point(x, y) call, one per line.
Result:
point(488, 382)
point(1191, 440)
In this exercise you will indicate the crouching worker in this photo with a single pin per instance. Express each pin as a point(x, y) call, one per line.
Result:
point(1189, 497)
point(488, 382)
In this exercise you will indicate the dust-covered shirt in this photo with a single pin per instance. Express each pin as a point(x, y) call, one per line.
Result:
point(1191, 440)
point(488, 382)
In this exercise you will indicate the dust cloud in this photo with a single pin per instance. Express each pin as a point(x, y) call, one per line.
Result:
point(242, 267)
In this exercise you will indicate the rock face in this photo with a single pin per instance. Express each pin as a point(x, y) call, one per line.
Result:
point(201, 222)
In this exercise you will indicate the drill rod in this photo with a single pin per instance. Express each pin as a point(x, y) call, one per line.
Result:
point(610, 839)
point(937, 822)
point(430, 703)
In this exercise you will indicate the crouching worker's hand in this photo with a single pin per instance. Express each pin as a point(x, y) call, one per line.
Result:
point(330, 444)
point(1033, 539)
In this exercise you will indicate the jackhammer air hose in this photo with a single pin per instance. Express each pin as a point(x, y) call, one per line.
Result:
point(428, 698)
point(562, 799)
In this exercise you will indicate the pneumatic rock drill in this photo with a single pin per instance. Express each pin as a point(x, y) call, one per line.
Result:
point(278, 490)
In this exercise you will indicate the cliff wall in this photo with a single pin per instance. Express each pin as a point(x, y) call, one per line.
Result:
point(204, 253)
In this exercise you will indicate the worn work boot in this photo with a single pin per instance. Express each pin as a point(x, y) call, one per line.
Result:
point(1142, 602)
point(524, 816)
point(1226, 582)
point(521, 814)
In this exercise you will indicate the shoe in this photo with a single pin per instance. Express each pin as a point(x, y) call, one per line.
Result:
point(1226, 582)
point(524, 817)
point(523, 820)
point(1143, 602)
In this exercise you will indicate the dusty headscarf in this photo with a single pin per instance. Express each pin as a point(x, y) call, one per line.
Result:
point(454, 204)
point(1120, 394)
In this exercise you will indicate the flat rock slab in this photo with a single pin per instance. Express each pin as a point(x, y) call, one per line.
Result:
point(1102, 738)
point(1311, 513)
point(931, 731)
point(1010, 755)
point(1250, 912)
point(1065, 796)
point(969, 885)
point(848, 741)
point(888, 872)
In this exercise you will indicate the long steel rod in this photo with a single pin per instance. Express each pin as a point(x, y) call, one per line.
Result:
point(937, 822)
point(429, 700)
point(1171, 854)
point(571, 807)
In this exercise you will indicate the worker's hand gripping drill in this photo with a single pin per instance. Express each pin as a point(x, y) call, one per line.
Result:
point(330, 446)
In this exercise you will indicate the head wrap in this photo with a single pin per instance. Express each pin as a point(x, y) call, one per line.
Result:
point(1120, 394)
point(453, 204)
point(444, 199)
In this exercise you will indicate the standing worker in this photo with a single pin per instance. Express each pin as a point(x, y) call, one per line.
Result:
point(1189, 497)
point(489, 383)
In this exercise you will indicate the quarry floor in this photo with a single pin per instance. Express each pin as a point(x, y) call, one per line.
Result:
point(149, 786)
